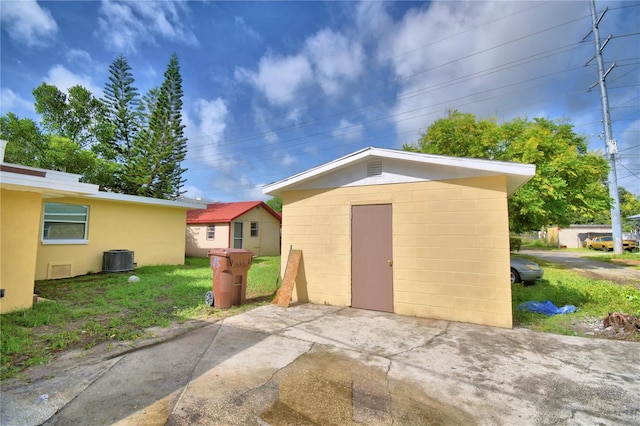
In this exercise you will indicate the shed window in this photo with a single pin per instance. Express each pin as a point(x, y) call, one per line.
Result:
point(65, 223)
point(254, 229)
point(211, 232)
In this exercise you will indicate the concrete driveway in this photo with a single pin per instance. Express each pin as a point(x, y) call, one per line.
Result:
point(312, 364)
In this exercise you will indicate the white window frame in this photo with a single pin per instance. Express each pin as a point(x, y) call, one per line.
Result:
point(82, 218)
point(257, 230)
point(211, 232)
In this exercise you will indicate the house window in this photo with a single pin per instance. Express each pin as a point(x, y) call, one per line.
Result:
point(211, 232)
point(254, 229)
point(64, 224)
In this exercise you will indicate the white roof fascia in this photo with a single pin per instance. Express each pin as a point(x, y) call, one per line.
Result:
point(315, 171)
point(61, 184)
point(125, 198)
point(517, 173)
point(51, 174)
point(51, 182)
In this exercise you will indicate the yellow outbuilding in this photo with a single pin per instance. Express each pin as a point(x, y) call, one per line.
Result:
point(410, 233)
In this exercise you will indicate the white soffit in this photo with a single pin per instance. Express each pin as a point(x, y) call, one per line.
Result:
point(399, 167)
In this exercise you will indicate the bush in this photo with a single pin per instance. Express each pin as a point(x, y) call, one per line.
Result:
point(515, 243)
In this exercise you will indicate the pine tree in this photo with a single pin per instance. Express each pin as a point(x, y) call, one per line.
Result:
point(154, 167)
point(172, 89)
point(123, 106)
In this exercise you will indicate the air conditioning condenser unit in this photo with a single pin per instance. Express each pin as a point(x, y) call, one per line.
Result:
point(117, 261)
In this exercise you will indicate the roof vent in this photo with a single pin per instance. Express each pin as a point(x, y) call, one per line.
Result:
point(374, 168)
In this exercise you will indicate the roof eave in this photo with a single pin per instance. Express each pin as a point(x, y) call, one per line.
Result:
point(517, 174)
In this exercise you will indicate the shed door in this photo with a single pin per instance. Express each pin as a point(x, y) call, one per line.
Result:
point(371, 257)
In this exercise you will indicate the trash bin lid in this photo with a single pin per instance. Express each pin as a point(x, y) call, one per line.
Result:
point(227, 251)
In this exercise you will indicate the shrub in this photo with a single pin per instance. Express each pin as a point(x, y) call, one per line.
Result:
point(515, 243)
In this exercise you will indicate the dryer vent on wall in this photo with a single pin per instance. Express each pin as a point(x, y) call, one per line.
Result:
point(117, 261)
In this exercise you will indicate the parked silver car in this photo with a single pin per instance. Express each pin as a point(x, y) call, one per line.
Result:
point(525, 270)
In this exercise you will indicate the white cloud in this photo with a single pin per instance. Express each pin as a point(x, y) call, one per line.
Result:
point(12, 102)
point(123, 26)
point(251, 191)
point(628, 167)
point(328, 58)
point(279, 77)
point(263, 120)
point(244, 28)
point(336, 59)
point(206, 134)
point(26, 22)
point(77, 56)
point(349, 132)
point(372, 20)
point(64, 79)
point(271, 136)
point(478, 57)
point(288, 160)
point(194, 192)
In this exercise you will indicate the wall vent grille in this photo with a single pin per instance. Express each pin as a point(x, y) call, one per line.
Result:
point(117, 261)
point(59, 270)
point(374, 168)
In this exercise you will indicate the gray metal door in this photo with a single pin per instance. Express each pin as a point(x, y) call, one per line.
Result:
point(372, 257)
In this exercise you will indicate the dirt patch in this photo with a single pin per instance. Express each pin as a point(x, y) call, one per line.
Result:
point(626, 262)
point(609, 327)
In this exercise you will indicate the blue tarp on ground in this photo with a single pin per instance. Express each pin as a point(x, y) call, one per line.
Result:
point(546, 307)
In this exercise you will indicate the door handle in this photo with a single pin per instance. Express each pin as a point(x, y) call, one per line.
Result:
point(390, 262)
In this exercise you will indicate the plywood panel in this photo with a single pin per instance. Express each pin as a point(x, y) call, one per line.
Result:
point(283, 297)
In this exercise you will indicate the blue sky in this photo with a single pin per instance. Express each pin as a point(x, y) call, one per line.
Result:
point(274, 88)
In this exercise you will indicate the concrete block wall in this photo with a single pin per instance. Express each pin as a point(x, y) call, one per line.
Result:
point(450, 246)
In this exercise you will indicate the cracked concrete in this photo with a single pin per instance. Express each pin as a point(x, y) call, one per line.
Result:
point(312, 364)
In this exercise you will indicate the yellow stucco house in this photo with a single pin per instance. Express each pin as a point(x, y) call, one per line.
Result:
point(396, 231)
point(53, 226)
point(249, 225)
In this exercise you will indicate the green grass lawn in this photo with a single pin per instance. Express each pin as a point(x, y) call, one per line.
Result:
point(91, 309)
point(629, 259)
point(593, 298)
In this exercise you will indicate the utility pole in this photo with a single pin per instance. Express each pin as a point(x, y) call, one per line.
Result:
point(611, 144)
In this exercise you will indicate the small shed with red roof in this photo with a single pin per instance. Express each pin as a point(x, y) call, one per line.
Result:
point(249, 225)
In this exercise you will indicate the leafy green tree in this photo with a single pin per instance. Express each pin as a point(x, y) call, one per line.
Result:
point(79, 116)
point(154, 168)
point(122, 103)
point(65, 155)
point(629, 206)
point(568, 181)
point(276, 204)
point(26, 144)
